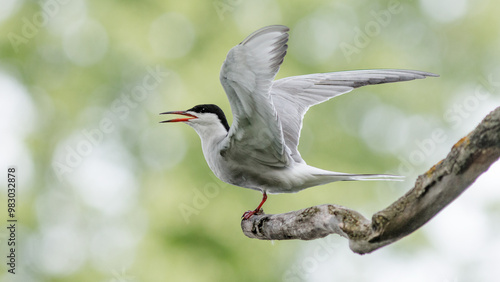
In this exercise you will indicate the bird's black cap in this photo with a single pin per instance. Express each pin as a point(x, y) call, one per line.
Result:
point(214, 109)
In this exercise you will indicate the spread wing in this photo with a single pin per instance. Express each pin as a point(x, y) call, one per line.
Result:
point(296, 94)
point(247, 75)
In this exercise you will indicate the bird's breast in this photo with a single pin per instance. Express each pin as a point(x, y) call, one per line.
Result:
point(248, 173)
point(255, 176)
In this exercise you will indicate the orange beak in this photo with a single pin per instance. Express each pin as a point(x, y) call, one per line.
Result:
point(189, 116)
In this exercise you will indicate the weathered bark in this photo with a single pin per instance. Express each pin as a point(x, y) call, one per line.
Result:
point(433, 190)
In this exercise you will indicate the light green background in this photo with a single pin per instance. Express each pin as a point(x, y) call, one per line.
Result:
point(106, 193)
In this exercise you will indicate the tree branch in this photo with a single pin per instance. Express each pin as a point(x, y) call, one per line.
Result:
point(433, 190)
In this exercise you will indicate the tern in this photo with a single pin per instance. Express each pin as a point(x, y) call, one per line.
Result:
point(259, 150)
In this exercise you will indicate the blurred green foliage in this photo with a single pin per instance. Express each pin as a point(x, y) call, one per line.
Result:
point(109, 194)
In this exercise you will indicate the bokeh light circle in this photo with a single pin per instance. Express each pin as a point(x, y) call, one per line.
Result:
point(85, 44)
point(171, 36)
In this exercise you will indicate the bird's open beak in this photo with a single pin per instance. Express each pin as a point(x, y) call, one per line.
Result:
point(189, 116)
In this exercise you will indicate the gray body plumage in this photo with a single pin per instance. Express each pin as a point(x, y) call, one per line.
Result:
point(259, 151)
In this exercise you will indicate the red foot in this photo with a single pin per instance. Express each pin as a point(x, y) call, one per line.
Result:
point(248, 214)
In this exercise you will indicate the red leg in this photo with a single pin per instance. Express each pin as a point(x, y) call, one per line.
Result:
point(249, 214)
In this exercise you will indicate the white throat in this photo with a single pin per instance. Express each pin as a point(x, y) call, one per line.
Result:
point(210, 130)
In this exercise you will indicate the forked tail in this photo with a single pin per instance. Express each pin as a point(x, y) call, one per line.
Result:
point(325, 176)
point(319, 177)
point(363, 177)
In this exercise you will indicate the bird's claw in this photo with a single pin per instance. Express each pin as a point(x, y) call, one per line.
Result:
point(249, 214)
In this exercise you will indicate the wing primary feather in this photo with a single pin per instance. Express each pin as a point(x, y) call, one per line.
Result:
point(246, 75)
point(297, 94)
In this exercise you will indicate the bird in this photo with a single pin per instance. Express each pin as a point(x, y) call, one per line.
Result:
point(259, 150)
